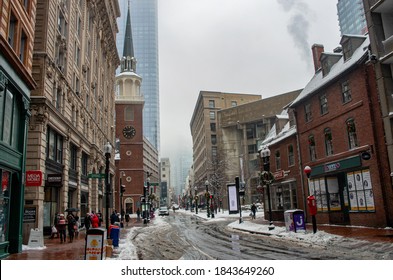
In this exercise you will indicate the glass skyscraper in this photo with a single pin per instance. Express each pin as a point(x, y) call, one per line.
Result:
point(144, 23)
point(351, 17)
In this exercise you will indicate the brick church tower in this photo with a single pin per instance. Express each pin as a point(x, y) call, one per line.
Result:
point(129, 130)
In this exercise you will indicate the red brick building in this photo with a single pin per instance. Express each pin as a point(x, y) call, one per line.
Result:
point(286, 191)
point(341, 137)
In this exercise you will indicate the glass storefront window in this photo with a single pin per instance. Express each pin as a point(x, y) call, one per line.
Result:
point(4, 203)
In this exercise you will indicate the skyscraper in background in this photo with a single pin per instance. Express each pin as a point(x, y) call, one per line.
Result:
point(351, 17)
point(144, 22)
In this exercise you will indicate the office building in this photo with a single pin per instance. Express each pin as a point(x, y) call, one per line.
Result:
point(351, 17)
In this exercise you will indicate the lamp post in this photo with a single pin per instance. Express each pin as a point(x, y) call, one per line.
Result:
point(207, 195)
point(312, 205)
point(265, 155)
point(122, 190)
point(107, 150)
point(196, 199)
point(145, 195)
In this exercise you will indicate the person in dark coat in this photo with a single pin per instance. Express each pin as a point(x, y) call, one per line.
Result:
point(87, 221)
point(114, 217)
point(71, 224)
point(138, 214)
point(61, 227)
point(253, 210)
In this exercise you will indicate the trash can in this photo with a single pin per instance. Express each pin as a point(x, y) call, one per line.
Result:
point(294, 220)
point(95, 244)
point(115, 235)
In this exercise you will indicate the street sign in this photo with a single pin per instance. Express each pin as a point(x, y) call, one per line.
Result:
point(96, 176)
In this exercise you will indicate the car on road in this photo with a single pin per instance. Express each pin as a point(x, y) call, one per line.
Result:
point(163, 211)
point(175, 206)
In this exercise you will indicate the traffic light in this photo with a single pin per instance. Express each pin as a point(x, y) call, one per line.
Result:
point(122, 189)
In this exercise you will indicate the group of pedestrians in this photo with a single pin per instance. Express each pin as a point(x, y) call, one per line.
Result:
point(71, 223)
point(93, 220)
point(62, 224)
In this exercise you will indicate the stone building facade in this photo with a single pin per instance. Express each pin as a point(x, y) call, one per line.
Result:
point(73, 106)
point(241, 130)
point(17, 24)
point(204, 129)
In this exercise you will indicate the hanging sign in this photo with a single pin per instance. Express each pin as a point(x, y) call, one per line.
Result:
point(34, 178)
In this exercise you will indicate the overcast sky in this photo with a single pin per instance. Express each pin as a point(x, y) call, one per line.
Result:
point(238, 46)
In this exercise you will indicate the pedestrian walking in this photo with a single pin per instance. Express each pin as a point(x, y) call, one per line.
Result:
point(61, 227)
point(99, 215)
point(114, 218)
point(87, 221)
point(77, 224)
point(71, 226)
point(127, 218)
point(95, 221)
point(138, 214)
point(253, 210)
point(55, 230)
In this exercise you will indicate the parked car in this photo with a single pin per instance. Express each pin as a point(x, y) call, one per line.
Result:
point(175, 206)
point(163, 211)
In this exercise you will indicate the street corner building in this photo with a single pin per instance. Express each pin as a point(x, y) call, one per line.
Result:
point(17, 23)
point(57, 106)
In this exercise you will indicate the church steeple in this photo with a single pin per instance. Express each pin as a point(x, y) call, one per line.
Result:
point(128, 61)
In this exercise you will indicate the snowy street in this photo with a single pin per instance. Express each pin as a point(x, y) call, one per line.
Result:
point(185, 235)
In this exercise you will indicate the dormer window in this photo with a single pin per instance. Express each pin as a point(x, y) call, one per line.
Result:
point(325, 67)
point(347, 50)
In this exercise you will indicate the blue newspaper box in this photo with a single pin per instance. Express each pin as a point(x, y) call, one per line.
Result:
point(115, 235)
point(294, 220)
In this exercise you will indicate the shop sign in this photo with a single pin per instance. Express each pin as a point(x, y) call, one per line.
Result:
point(332, 167)
point(54, 180)
point(278, 175)
point(30, 215)
point(33, 178)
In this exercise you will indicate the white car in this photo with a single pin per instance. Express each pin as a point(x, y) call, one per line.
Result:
point(163, 211)
point(175, 206)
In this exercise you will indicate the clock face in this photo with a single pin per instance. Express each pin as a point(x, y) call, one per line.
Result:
point(129, 132)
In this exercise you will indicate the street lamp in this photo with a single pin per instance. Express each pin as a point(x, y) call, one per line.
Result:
point(266, 176)
point(145, 191)
point(312, 205)
point(196, 200)
point(207, 195)
point(122, 190)
point(107, 151)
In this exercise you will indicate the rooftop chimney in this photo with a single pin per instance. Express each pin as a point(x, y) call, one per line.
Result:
point(317, 50)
